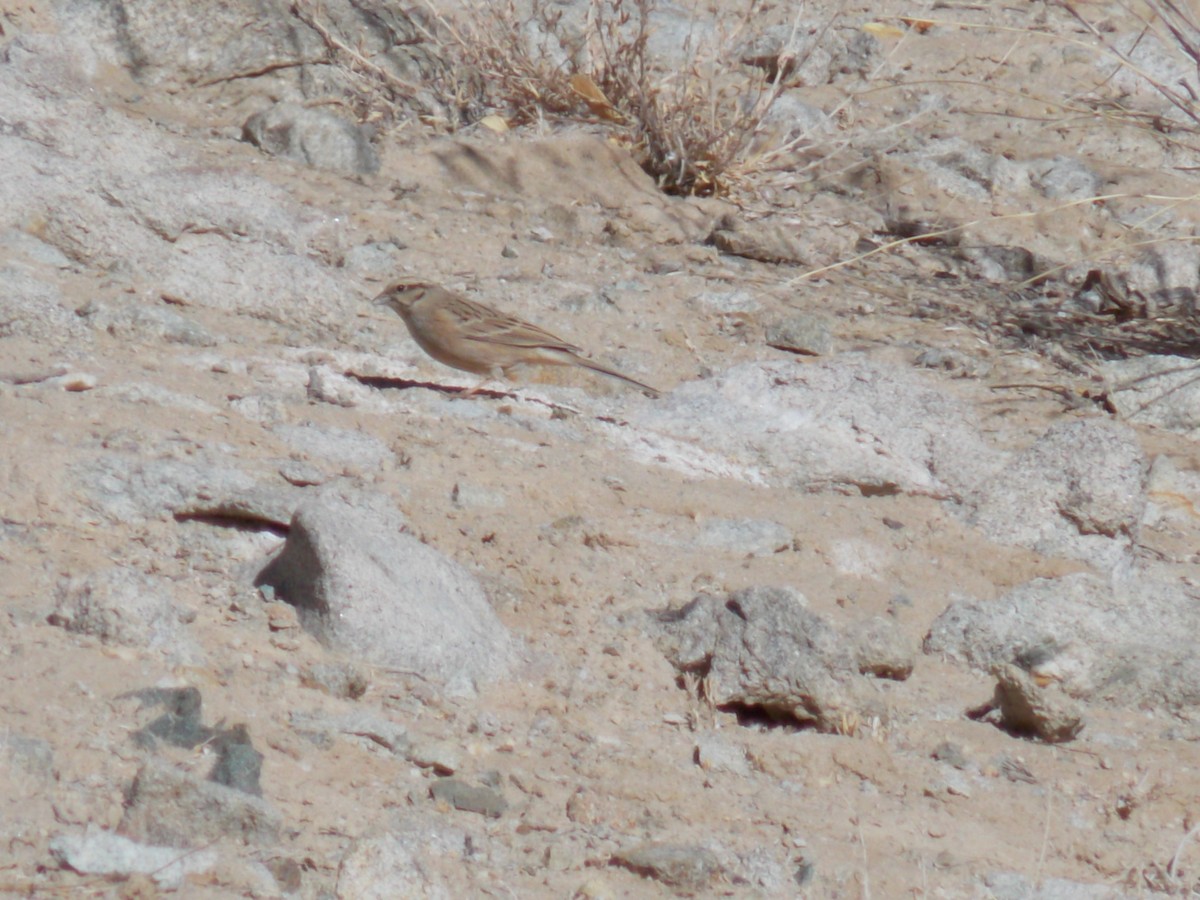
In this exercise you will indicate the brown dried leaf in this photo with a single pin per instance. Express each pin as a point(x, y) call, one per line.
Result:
point(594, 97)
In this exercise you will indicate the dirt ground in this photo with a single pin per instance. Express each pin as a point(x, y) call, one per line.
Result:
point(546, 492)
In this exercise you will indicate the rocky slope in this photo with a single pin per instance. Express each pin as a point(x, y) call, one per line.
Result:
point(892, 591)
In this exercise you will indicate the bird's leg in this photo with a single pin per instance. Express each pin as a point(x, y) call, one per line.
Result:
point(494, 375)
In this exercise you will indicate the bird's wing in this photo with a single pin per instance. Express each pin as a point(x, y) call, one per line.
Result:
point(498, 328)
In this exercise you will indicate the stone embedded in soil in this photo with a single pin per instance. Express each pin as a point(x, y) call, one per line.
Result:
point(1026, 708)
point(751, 537)
point(762, 241)
point(762, 649)
point(312, 136)
point(846, 423)
point(325, 728)
point(1156, 390)
point(167, 806)
point(99, 852)
point(716, 753)
point(368, 589)
point(238, 764)
point(261, 504)
point(469, 798)
point(881, 648)
point(122, 606)
point(801, 333)
point(444, 757)
point(1124, 639)
point(1078, 491)
point(686, 867)
point(420, 855)
point(346, 680)
point(181, 725)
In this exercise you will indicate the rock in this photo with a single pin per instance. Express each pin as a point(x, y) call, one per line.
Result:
point(1166, 277)
point(955, 362)
point(468, 798)
point(150, 394)
point(112, 195)
point(1101, 639)
point(1156, 390)
point(342, 446)
point(327, 386)
point(845, 424)
point(238, 764)
point(881, 649)
point(997, 263)
point(750, 537)
point(1079, 491)
point(419, 856)
point(99, 852)
point(444, 757)
point(792, 123)
point(181, 725)
point(339, 679)
point(1026, 708)
point(1064, 178)
point(30, 758)
point(715, 753)
point(176, 43)
point(262, 504)
point(166, 806)
point(951, 754)
point(30, 306)
point(138, 322)
point(761, 649)
point(801, 333)
point(764, 241)
point(1019, 886)
point(366, 588)
point(312, 136)
point(686, 867)
point(120, 606)
point(131, 489)
point(363, 724)
point(75, 382)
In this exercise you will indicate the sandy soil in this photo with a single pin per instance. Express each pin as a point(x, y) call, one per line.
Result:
point(593, 736)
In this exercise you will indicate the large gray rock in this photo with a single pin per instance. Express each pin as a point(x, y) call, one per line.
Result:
point(110, 193)
point(1079, 491)
point(846, 423)
point(1166, 277)
point(98, 852)
point(174, 41)
point(312, 136)
point(172, 808)
point(762, 649)
point(419, 856)
point(130, 488)
point(364, 586)
point(270, 47)
point(1129, 641)
point(1157, 390)
point(121, 606)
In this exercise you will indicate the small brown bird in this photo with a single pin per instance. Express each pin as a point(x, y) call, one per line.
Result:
point(473, 337)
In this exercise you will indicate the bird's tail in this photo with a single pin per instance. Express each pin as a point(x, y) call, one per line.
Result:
point(613, 373)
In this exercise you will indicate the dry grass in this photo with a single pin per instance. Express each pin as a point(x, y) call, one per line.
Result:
point(1178, 31)
point(691, 127)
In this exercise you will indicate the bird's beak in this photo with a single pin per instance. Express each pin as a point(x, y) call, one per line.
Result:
point(381, 299)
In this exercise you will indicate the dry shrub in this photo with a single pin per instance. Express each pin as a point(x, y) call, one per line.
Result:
point(690, 128)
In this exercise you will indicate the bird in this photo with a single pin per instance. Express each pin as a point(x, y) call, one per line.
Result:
point(474, 337)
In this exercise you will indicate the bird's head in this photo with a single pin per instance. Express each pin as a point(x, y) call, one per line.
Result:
point(400, 297)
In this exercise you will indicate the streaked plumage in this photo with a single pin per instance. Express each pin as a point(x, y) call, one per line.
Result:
point(474, 337)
